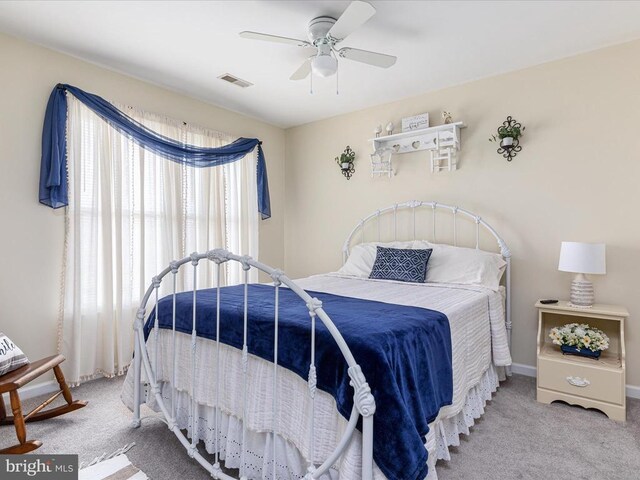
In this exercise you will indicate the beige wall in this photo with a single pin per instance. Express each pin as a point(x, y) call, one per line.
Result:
point(577, 178)
point(31, 235)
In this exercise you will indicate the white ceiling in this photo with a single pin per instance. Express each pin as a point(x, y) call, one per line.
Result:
point(186, 45)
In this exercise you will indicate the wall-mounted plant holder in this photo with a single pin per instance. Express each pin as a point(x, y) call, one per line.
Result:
point(345, 161)
point(508, 137)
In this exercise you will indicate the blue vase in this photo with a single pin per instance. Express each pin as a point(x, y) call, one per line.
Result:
point(583, 352)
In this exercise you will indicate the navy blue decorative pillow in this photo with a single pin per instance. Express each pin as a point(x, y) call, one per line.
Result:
point(405, 265)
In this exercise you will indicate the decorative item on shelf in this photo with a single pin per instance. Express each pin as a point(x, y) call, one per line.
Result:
point(581, 259)
point(345, 160)
point(508, 137)
point(417, 122)
point(580, 339)
point(381, 161)
point(389, 128)
point(443, 143)
point(446, 117)
point(378, 131)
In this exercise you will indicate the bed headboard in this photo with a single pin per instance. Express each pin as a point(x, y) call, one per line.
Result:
point(398, 211)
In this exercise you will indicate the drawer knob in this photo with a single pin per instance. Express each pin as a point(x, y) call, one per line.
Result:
point(578, 382)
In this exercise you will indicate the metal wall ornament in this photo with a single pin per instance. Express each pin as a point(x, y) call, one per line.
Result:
point(345, 161)
point(508, 136)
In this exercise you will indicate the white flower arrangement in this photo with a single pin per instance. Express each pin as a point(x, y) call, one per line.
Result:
point(580, 335)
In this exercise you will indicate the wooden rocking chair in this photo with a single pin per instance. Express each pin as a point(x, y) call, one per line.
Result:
point(12, 381)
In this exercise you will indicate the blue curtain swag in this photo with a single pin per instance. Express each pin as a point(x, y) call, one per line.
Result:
point(53, 166)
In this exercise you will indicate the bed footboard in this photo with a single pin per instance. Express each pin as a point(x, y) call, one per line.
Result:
point(364, 403)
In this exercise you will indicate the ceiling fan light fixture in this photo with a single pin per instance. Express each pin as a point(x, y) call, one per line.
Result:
point(324, 33)
point(324, 65)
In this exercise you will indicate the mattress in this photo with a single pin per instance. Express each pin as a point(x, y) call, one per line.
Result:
point(479, 341)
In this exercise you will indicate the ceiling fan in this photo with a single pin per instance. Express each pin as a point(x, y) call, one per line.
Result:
point(324, 34)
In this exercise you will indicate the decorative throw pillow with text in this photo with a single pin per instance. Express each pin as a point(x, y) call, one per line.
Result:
point(11, 357)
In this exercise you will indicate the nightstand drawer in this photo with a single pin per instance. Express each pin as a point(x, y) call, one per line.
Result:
point(580, 380)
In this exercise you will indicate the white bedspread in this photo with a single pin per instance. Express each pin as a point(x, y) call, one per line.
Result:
point(478, 334)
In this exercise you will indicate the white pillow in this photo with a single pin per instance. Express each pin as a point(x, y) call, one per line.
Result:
point(11, 357)
point(363, 256)
point(466, 266)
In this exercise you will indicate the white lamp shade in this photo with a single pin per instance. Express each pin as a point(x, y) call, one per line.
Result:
point(578, 257)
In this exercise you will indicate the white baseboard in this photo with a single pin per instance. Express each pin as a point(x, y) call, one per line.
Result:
point(521, 369)
point(633, 391)
point(35, 390)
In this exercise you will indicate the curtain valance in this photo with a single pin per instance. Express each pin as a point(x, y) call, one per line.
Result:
point(53, 167)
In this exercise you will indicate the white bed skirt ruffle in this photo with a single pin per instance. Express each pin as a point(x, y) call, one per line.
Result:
point(290, 463)
point(446, 432)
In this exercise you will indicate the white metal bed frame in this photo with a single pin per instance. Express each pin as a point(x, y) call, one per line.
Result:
point(413, 205)
point(364, 402)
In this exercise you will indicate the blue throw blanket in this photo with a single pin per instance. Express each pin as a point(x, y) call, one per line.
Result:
point(404, 352)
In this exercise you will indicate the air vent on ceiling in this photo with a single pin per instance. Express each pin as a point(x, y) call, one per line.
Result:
point(227, 77)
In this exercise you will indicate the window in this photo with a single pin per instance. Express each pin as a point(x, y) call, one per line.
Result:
point(130, 213)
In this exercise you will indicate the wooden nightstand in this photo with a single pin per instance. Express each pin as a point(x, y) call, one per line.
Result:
point(577, 380)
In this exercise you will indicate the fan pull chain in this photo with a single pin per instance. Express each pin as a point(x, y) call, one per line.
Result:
point(311, 82)
point(337, 76)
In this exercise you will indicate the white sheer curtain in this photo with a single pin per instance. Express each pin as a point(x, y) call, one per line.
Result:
point(130, 213)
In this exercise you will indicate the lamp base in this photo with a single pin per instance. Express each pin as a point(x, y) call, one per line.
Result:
point(573, 305)
point(582, 292)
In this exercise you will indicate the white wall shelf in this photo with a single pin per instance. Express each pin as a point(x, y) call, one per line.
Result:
point(443, 143)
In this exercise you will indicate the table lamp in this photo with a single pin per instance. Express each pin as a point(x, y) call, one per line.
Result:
point(582, 259)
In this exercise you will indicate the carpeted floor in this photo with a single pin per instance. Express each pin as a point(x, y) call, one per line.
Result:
point(517, 438)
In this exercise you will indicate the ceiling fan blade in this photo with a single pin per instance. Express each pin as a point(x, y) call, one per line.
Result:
point(274, 38)
point(302, 72)
point(356, 15)
point(370, 58)
point(310, 50)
